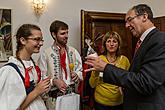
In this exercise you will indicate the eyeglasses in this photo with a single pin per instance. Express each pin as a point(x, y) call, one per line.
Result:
point(37, 39)
point(129, 19)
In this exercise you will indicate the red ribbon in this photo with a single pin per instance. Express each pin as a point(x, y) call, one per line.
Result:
point(63, 64)
point(38, 73)
point(27, 77)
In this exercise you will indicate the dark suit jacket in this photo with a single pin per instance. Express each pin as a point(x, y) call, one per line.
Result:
point(144, 84)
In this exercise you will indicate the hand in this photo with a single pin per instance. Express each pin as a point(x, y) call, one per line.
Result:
point(60, 84)
point(96, 62)
point(43, 86)
point(74, 77)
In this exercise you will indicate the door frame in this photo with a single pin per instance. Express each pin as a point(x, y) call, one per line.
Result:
point(87, 19)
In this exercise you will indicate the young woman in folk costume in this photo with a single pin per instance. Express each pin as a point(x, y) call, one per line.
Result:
point(21, 88)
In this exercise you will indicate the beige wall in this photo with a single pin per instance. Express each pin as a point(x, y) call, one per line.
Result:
point(69, 11)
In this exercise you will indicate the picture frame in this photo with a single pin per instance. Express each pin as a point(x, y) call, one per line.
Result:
point(5, 34)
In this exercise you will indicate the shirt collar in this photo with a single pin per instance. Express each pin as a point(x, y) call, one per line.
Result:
point(146, 33)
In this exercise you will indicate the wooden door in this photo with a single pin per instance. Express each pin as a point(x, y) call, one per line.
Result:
point(94, 24)
point(160, 23)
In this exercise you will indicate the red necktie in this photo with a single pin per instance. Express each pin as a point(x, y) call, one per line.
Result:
point(137, 46)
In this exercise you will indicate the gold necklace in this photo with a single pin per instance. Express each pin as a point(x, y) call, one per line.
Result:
point(111, 61)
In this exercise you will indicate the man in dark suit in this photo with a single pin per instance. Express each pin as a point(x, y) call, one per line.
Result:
point(144, 84)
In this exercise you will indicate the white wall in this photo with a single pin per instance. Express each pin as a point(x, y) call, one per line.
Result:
point(69, 12)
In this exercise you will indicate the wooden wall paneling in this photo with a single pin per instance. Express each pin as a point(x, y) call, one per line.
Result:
point(160, 23)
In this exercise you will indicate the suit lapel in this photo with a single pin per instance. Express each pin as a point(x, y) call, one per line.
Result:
point(145, 41)
point(140, 52)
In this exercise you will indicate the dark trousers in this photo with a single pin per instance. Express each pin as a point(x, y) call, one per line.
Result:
point(104, 107)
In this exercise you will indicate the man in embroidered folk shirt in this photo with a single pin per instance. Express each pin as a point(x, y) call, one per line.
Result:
point(61, 62)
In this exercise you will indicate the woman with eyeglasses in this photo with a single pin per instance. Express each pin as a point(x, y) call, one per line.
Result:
point(108, 96)
point(21, 86)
